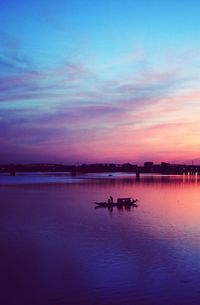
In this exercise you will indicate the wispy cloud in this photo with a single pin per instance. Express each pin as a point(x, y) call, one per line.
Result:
point(69, 110)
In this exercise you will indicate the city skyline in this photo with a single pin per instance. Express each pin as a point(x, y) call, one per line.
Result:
point(105, 81)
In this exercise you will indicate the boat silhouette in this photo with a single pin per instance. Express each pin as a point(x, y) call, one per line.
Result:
point(121, 202)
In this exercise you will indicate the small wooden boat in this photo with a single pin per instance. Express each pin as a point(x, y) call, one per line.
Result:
point(106, 204)
point(126, 202)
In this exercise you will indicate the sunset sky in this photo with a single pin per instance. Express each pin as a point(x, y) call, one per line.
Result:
point(99, 81)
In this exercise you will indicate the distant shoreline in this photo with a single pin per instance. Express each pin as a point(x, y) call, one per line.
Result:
point(147, 168)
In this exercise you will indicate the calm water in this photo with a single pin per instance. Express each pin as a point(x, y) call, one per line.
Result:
point(55, 248)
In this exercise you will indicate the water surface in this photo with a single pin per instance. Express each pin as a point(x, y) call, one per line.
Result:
point(57, 249)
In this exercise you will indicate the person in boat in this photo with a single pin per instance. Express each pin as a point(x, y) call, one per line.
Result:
point(111, 199)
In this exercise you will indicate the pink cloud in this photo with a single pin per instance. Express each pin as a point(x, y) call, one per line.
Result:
point(68, 112)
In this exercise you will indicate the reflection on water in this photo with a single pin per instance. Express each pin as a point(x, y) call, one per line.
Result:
point(48, 177)
point(56, 248)
point(119, 208)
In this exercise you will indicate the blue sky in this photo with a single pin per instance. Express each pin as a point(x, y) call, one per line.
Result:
point(100, 28)
point(117, 61)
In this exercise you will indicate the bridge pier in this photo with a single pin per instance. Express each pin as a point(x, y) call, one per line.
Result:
point(137, 175)
point(12, 170)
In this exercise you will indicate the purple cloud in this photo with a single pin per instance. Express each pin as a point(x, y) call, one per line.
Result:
point(69, 110)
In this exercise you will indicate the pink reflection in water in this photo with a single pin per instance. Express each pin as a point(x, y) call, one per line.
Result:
point(57, 249)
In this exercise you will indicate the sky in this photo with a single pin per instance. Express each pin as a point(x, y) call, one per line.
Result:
point(99, 81)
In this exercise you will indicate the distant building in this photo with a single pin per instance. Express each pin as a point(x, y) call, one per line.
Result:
point(165, 164)
point(148, 164)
